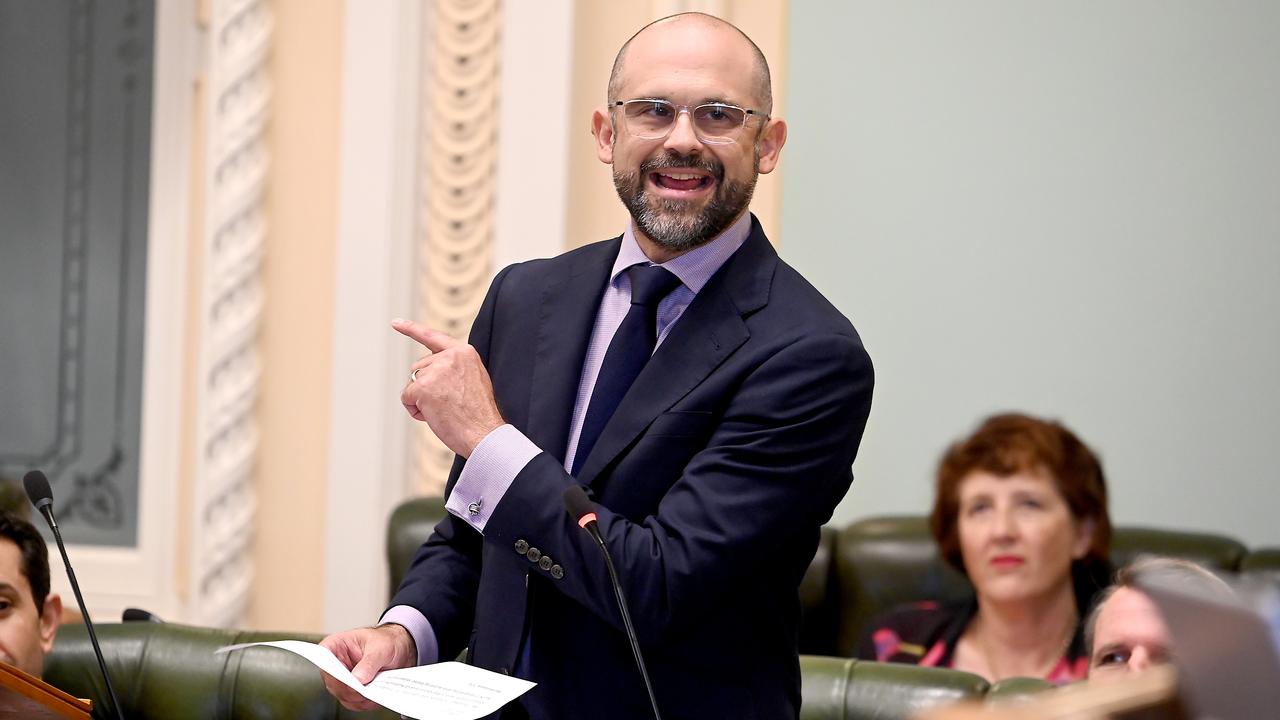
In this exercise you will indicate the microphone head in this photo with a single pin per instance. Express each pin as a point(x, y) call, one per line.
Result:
point(38, 490)
point(577, 502)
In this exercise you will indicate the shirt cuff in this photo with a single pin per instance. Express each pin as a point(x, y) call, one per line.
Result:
point(419, 628)
point(489, 472)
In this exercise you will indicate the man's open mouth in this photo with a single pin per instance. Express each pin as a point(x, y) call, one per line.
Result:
point(673, 180)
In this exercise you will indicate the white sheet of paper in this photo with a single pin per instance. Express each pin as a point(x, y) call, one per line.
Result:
point(444, 691)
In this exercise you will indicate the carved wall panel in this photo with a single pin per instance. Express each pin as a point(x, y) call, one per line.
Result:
point(234, 234)
point(458, 141)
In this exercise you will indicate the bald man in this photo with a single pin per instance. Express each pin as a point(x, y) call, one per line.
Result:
point(708, 398)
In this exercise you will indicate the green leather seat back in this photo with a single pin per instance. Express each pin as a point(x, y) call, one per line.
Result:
point(1262, 565)
point(164, 670)
point(1262, 559)
point(1217, 552)
point(845, 689)
point(819, 610)
point(410, 525)
point(882, 562)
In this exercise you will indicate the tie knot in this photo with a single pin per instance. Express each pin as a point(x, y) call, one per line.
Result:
point(650, 283)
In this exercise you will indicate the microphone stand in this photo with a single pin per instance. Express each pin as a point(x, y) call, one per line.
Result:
point(47, 511)
point(580, 509)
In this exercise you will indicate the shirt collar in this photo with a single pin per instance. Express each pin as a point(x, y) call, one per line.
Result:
point(695, 267)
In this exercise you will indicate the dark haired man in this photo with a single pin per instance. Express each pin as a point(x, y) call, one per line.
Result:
point(714, 459)
point(29, 613)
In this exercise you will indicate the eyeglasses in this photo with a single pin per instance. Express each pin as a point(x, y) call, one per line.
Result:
point(713, 123)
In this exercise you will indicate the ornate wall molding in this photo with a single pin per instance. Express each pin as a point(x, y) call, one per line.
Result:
point(234, 233)
point(455, 211)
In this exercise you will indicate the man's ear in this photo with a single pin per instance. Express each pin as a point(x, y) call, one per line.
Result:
point(602, 129)
point(50, 619)
point(769, 145)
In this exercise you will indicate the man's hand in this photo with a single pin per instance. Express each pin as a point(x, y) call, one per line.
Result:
point(367, 652)
point(452, 392)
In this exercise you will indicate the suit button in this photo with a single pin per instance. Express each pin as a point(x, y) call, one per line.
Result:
point(522, 547)
point(557, 572)
point(534, 554)
point(545, 562)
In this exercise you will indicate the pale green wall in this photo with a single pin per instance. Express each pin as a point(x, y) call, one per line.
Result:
point(1071, 208)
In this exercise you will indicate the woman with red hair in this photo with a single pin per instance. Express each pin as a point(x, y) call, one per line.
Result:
point(1021, 510)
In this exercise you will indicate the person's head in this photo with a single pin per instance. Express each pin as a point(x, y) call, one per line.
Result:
point(1125, 632)
point(1021, 504)
point(29, 613)
point(685, 177)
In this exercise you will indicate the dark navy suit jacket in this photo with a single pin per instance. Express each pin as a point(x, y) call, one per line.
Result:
point(712, 480)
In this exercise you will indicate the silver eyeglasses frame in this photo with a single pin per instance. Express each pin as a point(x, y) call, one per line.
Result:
point(689, 110)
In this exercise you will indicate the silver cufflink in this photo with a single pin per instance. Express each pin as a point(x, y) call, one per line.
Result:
point(474, 508)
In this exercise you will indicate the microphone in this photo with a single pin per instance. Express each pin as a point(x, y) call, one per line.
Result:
point(41, 496)
point(582, 511)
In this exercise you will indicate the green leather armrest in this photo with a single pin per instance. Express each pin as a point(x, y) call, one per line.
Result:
point(410, 525)
point(845, 689)
point(1017, 687)
point(165, 671)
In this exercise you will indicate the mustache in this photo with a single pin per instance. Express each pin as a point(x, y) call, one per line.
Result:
point(676, 160)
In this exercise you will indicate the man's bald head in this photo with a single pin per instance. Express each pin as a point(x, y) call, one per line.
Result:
point(763, 84)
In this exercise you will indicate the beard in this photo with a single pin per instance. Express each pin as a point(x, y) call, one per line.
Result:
point(678, 225)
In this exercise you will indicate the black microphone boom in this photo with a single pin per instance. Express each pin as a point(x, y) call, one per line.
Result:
point(580, 507)
point(41, 496)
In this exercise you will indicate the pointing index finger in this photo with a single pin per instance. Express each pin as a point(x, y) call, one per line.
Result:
point(433, 340)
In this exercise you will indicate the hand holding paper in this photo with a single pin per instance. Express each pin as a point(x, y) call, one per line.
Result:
point(444, 691)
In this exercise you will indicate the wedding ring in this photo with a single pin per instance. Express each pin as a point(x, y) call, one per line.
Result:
point(413, 376)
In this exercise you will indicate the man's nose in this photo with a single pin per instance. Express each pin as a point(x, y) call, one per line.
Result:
point(682, 138)
point(1139, 659)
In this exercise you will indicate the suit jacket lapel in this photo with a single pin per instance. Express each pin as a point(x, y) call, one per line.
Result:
point(566, 319)
point(710, 329)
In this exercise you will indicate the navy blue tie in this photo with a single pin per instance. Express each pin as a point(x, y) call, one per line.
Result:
point(628, 352)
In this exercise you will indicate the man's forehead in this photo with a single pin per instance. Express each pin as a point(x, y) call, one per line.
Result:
point(692, 58)
point(1131, 614)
